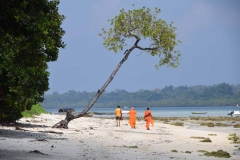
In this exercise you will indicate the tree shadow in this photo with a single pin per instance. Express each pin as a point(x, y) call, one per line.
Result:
point(26, 130)
point(21, 154)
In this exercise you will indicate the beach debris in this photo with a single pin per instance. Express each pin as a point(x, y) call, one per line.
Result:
point(208, 124)
point(52, 146)
point(37, 151)
point(219, 153)
point(206, 140)
point(174, 150)
point(41, 139)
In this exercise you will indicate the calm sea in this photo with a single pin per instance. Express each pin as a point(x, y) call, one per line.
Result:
point(165, 111)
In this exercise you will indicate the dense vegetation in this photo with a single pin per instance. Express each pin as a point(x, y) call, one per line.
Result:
point(30, 37)
point(35, 110)
point(215, 95)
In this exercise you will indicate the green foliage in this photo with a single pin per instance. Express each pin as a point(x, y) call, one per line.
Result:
point(143, 24)
point(35, 110)
point(30, 36)
point(219, 153)
point(169, 96)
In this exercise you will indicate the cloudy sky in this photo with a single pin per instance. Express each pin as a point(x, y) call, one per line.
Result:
point(209, 31)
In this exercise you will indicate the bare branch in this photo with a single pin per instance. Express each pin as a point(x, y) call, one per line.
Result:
point(146, 48)
point(135, 44)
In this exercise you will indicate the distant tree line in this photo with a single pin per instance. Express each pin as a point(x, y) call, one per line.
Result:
point(215, 95)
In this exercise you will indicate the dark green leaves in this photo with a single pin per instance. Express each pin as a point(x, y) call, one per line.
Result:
point(30, 36)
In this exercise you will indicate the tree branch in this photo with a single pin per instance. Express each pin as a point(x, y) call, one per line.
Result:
point(133, 35)
point(135, 44)
point(145, 48)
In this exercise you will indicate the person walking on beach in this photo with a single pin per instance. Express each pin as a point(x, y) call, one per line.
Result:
point(118, 113)
point(132, 117)
point(148, 118)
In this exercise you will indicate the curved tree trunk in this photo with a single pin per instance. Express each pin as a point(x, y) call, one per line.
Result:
point(69, 116)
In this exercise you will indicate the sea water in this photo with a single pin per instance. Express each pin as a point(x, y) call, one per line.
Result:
point(164, 111)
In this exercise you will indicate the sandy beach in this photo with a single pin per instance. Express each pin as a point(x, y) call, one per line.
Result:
point(91, 138)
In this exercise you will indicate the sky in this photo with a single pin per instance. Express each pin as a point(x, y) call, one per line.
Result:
point(210, 48)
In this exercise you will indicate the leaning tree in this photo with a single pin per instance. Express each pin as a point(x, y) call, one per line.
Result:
point(141, 24)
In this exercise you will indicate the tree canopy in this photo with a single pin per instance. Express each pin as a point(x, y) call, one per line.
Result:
point(30, 36)
point(143, 24)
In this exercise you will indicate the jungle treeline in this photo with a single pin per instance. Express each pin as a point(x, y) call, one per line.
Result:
point(186, 96)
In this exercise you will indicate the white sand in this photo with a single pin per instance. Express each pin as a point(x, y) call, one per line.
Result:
point(96, 139)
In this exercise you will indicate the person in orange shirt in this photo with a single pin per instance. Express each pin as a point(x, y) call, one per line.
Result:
point(132, 117)
point(118, 114)
point(148, 118)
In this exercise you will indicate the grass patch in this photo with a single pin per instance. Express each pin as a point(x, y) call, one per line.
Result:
point(219, 153)
point(206, 140)
point(189, 152)
point(234, 138)
point(35, 110)
point(177, 123)
point(212, 134)
point(208, 124)
point(166, 121)
point(220, 118)
point(129, 146)
point(236, 126)
point(174, 150)
point(221, 125)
